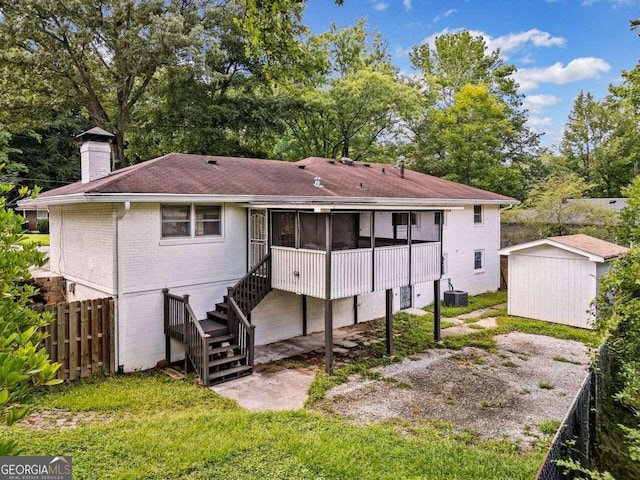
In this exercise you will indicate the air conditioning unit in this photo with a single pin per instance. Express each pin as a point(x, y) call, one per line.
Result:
point(456, 298)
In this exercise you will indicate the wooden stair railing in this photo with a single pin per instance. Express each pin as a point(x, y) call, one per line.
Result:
point(243, 298)
point(178, 315)
point(253, 287)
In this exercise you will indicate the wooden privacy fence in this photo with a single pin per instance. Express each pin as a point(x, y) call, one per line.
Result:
point(81, 337)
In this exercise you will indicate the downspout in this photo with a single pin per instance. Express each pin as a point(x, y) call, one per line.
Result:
point(118, 283)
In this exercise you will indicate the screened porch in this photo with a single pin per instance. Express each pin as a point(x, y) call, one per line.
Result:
point(342, 254)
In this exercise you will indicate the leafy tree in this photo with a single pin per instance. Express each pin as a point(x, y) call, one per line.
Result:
point(220, 102)
point(50, 156)
point(23, 364)
point(628, 227)
point(554, 207)
point(101, 54)
point(618, 303)
point(458, 68)
point(353, 105)
point(597, 144)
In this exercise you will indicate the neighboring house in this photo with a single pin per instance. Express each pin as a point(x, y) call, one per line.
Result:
point(32, 215)
point(307, 246)
point(556, 279)
point(583, 215)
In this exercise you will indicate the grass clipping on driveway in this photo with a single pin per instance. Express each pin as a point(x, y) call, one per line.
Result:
point(151, 426)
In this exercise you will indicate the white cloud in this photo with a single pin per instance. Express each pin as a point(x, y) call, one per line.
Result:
point(537, 103)
point(401, 52)
point(539, 122)
point(446, 14)
point(576, 70)
point(507, 43)
point(537, 38)
point(380, 6)
point(407, 4)
point(614, 3)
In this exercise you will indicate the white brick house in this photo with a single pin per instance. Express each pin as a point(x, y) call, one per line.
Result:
point(196, 225)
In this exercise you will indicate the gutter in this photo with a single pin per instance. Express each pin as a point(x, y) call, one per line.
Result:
point(259, 199)
point(118, 282)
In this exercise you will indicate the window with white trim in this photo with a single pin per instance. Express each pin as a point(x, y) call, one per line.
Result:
point(477, 214)
point(478, 260)
point(42, 214)
point(208, 220)
point(188, 221)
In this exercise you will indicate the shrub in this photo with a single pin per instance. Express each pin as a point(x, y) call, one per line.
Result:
point(43, 225)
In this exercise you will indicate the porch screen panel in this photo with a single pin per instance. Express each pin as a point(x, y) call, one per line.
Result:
point(312, 231)
point(283, 229)
point(345, 231)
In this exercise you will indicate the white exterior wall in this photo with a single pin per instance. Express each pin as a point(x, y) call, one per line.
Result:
point(83, 248)
point(201, 267)
point(461, 238)
point(551, 284)
point(279, 316)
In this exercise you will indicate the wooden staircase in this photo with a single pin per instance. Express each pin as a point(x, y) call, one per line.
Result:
point(227, 361)
point(221, 347)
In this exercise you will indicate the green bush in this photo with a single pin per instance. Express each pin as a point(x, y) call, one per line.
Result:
point(43, 225)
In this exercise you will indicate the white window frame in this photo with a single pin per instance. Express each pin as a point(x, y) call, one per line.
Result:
point(192, 237)
point(42, 215)
point(481, 213)
point(482, 259)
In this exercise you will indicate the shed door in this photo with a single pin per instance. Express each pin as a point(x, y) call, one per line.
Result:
point(558, 290)
point(257, 236)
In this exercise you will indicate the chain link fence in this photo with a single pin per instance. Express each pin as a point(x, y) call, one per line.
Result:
point(576, 436)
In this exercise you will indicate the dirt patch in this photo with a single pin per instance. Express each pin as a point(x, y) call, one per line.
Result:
point(503, 395)
point(61, 419)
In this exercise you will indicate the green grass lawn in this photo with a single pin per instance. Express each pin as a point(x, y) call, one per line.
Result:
point(41, 239)
point(476, 302)
point(157, 427)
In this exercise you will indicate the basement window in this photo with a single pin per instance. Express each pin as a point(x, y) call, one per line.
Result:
point(478, 260)
point(188, 221)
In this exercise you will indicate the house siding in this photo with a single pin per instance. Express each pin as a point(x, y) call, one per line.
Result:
point(84, 251)
point(556, 289)
point(83, 248)
point(201, 268)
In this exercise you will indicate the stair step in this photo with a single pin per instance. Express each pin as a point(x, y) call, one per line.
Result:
point(216, 316)
point(222, 307)
point(213, 327)
point(226, 360)
point(217, 350)
point(221, 339)
point(235, 371)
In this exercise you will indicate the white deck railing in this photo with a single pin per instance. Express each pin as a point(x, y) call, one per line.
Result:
point(354, 272)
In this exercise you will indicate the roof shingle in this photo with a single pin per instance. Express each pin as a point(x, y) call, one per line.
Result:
point(589, 244)
point(199, 174)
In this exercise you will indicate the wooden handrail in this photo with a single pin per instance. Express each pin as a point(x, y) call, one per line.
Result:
point(255, 268)
point(241, 316)
point(192, 334)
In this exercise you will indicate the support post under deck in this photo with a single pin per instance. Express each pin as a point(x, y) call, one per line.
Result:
point(436, 310)
point(389, 320)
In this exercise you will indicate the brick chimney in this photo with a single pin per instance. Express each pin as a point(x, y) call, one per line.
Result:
point(95, 154)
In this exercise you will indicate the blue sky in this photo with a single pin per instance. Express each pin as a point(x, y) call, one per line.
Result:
point(559, 46)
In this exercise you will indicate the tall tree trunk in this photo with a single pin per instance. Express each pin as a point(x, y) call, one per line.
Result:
point(117, 148)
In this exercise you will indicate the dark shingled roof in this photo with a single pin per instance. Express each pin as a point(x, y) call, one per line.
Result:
point(205, 175)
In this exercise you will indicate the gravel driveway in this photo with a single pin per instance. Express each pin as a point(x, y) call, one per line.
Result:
point(507, 394)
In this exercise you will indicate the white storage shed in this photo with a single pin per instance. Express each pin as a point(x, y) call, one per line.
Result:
point(556, 279)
